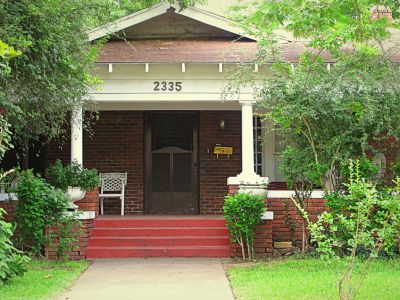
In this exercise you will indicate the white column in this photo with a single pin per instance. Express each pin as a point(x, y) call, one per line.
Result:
point(247, 139)
point(247, 176)
point(77, 136)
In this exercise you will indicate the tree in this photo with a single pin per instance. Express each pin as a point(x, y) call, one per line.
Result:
point(54, 73)
point(329, 114)
point(6, 54)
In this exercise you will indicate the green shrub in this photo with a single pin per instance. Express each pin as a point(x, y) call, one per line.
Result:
point(396, 169)
point(66, 232)
point(363, 220)
point(40, 205)
point(73, 174)
point(243, 213)
point(12, 262)
point(367, 168)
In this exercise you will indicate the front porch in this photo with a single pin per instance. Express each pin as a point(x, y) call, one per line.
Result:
point(189, 180)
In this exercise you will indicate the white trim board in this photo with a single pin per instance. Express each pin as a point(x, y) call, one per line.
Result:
point(274, 194)
point(137, 105)
point(160, 9)
point(5, 197)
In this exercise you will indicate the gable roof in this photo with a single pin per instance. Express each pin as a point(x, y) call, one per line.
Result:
point(162, 8)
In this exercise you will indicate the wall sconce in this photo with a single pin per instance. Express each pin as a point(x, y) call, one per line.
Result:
point(222, 124)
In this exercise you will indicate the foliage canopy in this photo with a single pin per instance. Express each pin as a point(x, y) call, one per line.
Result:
point(54, 73)
point(328, 113)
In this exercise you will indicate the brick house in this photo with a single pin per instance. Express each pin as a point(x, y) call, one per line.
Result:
point(163, 121)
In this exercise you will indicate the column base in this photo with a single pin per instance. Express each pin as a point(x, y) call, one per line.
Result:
point(250, 184)
point(248, 179)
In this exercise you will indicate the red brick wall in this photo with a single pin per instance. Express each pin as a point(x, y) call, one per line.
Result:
point(115, 145)
point(215, 172)
point(77, 251)
point(263, 243)
point(90, 202)
point(9, 207)
point(282, 207)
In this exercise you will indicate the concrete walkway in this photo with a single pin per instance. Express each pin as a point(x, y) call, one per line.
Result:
point(148, 279)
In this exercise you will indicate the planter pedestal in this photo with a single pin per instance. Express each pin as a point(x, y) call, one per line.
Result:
point(75, 194)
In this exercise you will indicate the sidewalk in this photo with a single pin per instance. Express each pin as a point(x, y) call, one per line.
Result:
point(148, 279)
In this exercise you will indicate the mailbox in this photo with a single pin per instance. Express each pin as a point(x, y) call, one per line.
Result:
point(219, 150)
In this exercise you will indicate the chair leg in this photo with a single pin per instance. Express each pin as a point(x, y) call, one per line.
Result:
point(101, 206)
point(122, 206)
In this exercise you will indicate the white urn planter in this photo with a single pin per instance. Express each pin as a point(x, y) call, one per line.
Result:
point(75, 194)
point(257, 190)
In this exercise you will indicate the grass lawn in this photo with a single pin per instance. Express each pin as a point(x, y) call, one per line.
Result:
point(311, 279)
point(43, 280)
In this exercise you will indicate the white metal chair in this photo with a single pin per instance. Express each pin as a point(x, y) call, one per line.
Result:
point(112, 186)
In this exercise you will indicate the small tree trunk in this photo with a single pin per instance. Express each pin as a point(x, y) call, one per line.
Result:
point(304, 242)
point(249, 249)
point(25, 155)
point(242, 245)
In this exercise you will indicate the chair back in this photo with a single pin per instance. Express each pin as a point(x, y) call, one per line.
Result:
point(113, 182)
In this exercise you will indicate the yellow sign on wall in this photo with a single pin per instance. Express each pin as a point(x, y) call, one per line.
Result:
point(219, 150)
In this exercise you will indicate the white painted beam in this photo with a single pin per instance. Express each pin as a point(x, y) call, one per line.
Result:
point(77, 136)
point(220, 67)
point(328, 66)
point(128, 21)
point(147, 68)
point(256, 68)
point(247, 138)
point(110, 68)
point(183, 67)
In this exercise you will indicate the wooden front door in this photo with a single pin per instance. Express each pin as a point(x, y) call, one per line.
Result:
point(171, 184)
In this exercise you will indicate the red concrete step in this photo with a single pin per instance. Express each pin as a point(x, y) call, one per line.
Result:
point(159, 222)
point(146, 252)
point(159, 231)
point(159, 241)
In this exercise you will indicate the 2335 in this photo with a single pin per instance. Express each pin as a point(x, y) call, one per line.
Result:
point(170, 86)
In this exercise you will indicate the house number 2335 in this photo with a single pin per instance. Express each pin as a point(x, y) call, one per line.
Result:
point(170, 86)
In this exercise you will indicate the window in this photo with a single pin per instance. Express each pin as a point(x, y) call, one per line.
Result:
point(258, 145)
point(268, 148)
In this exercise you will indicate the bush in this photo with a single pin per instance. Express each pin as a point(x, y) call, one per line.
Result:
point(73, 174)
point(40, 205)
point(12, 262)
point(243, 213)
point(63, 236)
point(367, 168)
point(363, 220)
point(396, 169)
